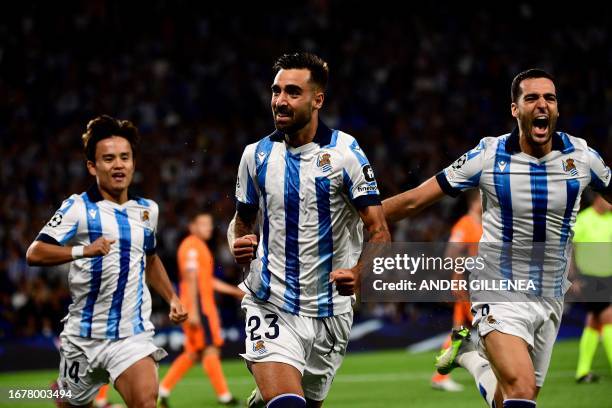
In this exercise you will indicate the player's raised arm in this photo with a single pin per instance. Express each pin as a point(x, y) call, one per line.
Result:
point(411, 202)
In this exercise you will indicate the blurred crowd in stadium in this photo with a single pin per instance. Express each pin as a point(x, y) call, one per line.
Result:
point(416, 88)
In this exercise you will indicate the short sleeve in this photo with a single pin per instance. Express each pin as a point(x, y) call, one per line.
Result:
point(464, 173)
point(151, 233)
point(64, 224)
point(600, 173)
point(359, 179)
point(247, 196)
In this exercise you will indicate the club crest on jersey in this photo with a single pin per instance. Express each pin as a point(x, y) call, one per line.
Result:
point(324, 162)
point(259, 347)
point(144, 216)
point(570, 167)
point(492, 321)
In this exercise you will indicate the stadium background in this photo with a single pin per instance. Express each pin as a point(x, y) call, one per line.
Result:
point(417, 85)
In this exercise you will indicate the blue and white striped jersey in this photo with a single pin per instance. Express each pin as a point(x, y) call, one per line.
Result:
point(110, 299)
point(307, 198)
point(528, 200)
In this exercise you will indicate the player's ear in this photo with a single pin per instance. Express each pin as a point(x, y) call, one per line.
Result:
point(317, 101)
point(91, 168)
point(514, 109)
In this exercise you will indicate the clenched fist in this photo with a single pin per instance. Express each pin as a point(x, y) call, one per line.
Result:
point(244, 249)
point(99, 247)
point(346, 281)
point(178, 314)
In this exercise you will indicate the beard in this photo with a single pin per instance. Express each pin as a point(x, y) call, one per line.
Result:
point(296, 122)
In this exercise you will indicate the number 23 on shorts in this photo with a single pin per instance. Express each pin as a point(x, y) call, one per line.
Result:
point(271, 332)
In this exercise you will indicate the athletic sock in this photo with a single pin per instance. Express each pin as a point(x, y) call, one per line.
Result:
point(287, 401)
point(480, 369)
point(606, 336)
point(519, 403)
point(586, 351)
point(177, 370)
point(212, 366)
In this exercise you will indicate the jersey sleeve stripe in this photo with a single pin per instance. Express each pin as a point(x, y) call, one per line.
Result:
point(70, 234)
point(47, 239)
point(445, 185)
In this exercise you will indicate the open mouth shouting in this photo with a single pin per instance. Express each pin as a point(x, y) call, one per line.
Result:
point(540, 126)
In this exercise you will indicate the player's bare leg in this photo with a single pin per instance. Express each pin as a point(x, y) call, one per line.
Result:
point(138, 384)
point(512, 365)
point(275, 379)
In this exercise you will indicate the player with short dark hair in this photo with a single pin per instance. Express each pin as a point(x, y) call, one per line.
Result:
point(531, 180)
point(108, 237)
point(313, 187)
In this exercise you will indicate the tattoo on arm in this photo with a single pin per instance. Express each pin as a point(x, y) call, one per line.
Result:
point(244, 226)
point(379, 234)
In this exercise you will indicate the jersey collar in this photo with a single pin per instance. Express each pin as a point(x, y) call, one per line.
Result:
point(560, 142)
point(94, 195)
point(322, 137)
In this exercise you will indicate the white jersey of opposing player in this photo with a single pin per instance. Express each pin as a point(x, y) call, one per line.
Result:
point(110, 299)
point(528, 200)
point(307, 198)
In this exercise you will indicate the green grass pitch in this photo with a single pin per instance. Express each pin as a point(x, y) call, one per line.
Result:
point(384, 379)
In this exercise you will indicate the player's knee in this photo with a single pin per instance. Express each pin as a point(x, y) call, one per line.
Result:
point(195, 356)
point(521, 388)
point(211, 351)
point(287, 401)
point(145, 399)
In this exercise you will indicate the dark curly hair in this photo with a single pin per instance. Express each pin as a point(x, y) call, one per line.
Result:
point(105, 126)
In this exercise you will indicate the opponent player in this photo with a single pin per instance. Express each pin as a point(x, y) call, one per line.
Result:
point(311, 185)
point(464, 235)
point(108, 237)
point(531, 180)
point(202, 328)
